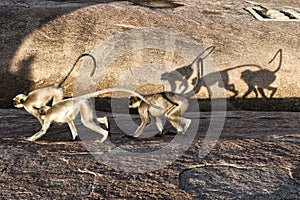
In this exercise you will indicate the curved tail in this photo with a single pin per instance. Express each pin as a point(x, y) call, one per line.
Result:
point(94, 94)
point(200, 59)
point(244, 65)
point(82, 55)
point(280, 60)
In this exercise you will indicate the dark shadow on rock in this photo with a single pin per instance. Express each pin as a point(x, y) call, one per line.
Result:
point(11, 83)
point(18, 20)
point(259, 79)
point(156, 4)
point(247, 104)
point(221, 78)
point(190, 74)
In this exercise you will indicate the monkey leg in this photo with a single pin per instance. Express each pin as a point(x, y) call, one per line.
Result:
point(256, 93)
point(173, 85)
point(35, 113)
point(176, 125)
point(250, 89)
point(175, 118)
point(273, 92)
point(273, 89)
point(175, 122)
point(261, 91)
point(140, 129)
point(103, 120)
point(187, 124)
point(58, 96)
point(91, 125)
point(145, 121)
point(231, 88)
point(87, 118)
point(73, 129)
point(159, 125)
point(184, 84)
point(209, 91)
point(42, 132)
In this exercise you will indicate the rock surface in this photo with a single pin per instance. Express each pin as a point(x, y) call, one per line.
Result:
point(42, 38)
point(255, 157)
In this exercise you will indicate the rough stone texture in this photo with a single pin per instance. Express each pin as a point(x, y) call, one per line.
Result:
point(256, 157)
point(42, 38)
point(213, 182)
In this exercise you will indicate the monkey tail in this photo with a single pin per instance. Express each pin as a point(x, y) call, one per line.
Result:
point(168, 99)
point(94, 94)
point(200, 59)
point(245, 65)
point(280, 60)
point(69, 73)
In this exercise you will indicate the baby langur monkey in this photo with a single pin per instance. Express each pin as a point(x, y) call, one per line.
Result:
point(38, 98)
point(174, 105)
point(66, 111)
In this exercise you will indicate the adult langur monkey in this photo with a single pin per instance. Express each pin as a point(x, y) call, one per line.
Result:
point(40, 97)
point(174, 105)
point(65, 111)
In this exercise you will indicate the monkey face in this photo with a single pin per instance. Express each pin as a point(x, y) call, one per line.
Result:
point(19, 100)
point(134, 102)
point(44, 110)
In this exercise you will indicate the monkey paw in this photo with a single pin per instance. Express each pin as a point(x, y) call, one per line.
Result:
point(30, 139)
point(159, 134)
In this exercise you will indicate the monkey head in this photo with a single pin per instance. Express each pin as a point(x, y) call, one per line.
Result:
point(19, 100)
point(43, 111)
point(246, 74)
point(134, 102)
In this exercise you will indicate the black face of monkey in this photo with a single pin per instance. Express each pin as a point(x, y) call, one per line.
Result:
point(134, 102)
point(19, 100)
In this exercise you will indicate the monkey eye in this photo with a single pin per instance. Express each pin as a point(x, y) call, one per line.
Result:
point(22, 101)
point(42, 112)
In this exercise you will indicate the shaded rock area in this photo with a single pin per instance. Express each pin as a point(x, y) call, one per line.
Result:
point(255, 157)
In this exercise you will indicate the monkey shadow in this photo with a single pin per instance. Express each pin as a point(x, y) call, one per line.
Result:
point(257, 78)
point(257, 81)
point(181, 75)
point(13, 84)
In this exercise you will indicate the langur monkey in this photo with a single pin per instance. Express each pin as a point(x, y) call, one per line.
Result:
point(38, 98)
point(174, 105)
point(65, 111)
